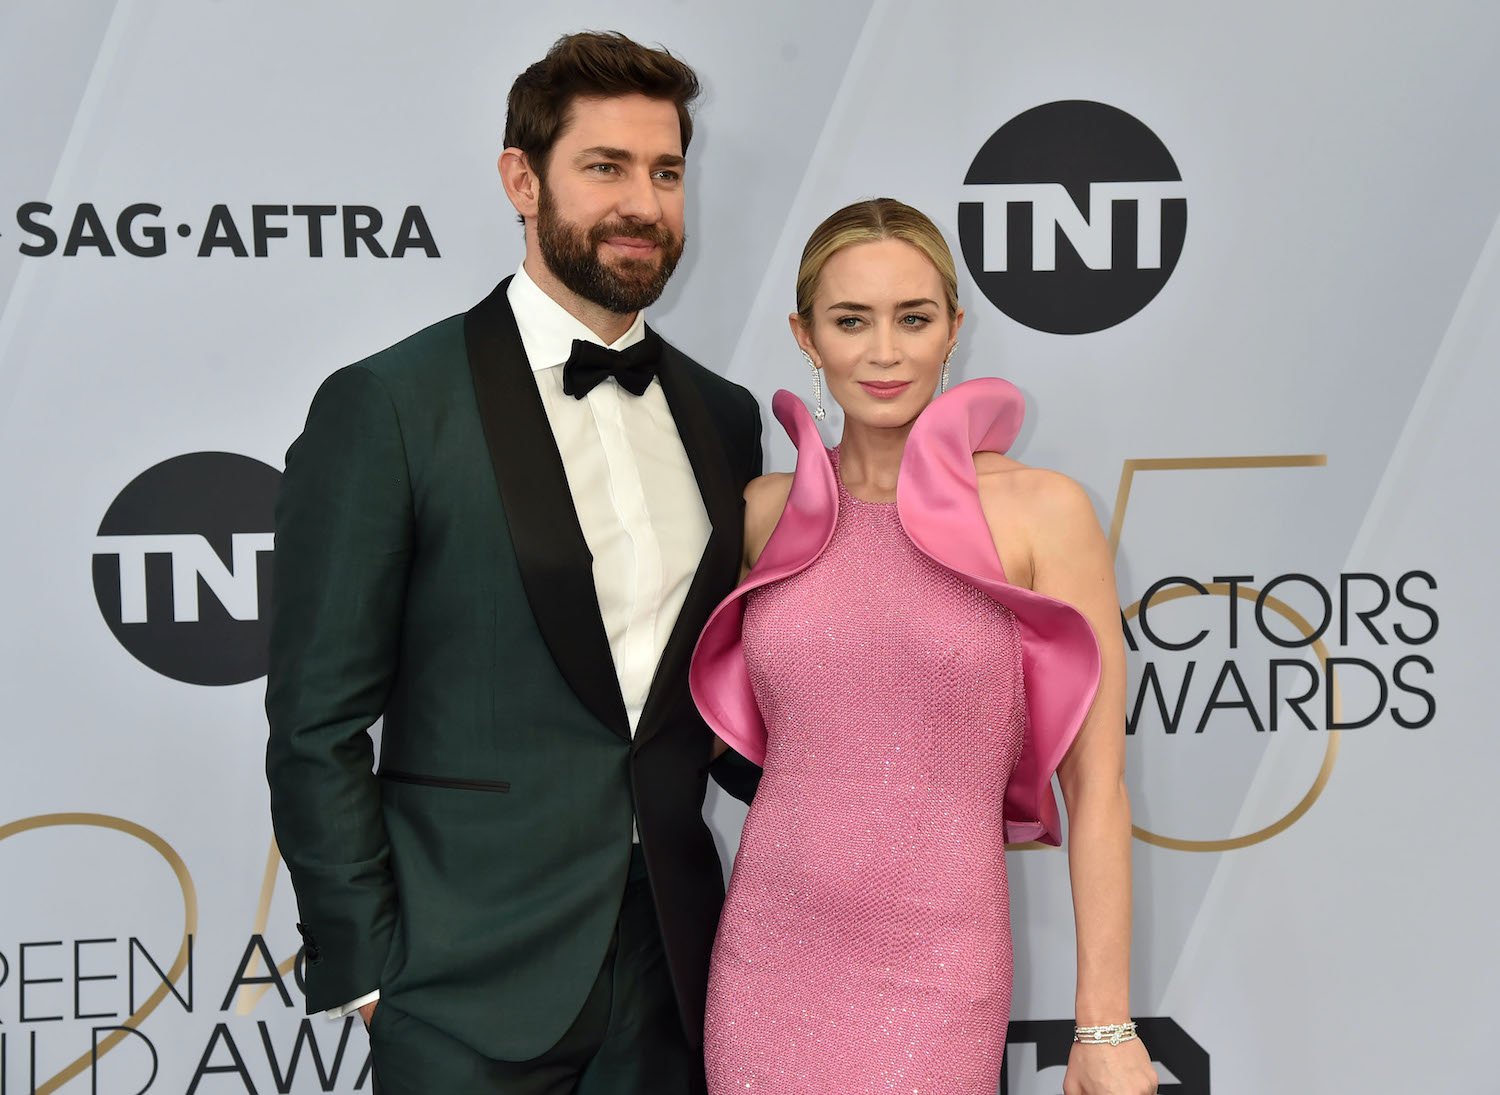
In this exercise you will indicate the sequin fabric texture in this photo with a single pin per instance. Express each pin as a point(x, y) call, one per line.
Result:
point(865, 942)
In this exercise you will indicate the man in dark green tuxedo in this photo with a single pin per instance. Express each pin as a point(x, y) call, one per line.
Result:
point(503, 535)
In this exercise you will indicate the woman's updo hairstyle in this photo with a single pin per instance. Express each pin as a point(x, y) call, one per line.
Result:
point(867, 222)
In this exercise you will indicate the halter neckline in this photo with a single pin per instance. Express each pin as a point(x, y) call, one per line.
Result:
point(844, 491)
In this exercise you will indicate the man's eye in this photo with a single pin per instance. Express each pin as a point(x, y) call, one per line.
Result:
point(604, 168)
point(669, 176)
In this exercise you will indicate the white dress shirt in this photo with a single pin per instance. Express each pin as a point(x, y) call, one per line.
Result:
point(632, 486)
point(633, 490)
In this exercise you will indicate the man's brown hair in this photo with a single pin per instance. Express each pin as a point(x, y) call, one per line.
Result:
point(591, 64)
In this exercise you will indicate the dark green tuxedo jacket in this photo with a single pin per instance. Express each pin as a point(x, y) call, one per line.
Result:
point(430, 569)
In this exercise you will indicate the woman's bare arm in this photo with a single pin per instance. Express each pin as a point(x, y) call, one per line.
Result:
point(765, 498)
point(1069, 559)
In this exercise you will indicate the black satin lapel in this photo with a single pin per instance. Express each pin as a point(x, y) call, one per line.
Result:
point(554, 559)
point(719, 565)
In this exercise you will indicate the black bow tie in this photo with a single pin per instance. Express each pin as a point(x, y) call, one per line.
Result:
point(590, 363)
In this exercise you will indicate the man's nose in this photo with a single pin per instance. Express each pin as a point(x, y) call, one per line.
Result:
point(639, 200)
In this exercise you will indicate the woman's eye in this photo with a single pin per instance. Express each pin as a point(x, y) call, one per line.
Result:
point(848, 323)
point(915, 320)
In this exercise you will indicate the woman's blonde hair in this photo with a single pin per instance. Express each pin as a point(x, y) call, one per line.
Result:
point(866, 222)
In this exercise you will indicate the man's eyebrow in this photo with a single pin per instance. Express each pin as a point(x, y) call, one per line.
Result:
point(624, 155)
point(603, 152)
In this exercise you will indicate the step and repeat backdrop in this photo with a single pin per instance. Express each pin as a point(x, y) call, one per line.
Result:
point(1242, 260)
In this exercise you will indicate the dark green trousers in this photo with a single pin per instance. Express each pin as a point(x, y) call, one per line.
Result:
point(627, 1039)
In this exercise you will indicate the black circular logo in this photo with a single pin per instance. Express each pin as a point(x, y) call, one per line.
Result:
point(182, 567)
point(1079, 218)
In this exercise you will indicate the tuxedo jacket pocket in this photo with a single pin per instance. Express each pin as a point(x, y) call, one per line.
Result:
point(494, 785)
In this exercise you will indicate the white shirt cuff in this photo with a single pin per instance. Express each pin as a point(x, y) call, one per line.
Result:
point(353, 1005)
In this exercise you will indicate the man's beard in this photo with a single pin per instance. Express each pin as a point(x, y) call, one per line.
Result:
point(572, 254)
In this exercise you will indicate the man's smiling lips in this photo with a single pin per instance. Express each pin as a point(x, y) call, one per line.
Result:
point(632, 246)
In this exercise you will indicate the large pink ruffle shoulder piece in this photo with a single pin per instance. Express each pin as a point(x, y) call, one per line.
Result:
point(937, 500)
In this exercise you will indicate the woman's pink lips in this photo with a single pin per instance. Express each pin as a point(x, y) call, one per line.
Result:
point(885, 389)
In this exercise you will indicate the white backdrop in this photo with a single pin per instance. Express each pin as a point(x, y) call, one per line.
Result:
point(1309, 393)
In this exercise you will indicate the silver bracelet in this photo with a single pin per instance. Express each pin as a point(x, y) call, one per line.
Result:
point(1110, 1035)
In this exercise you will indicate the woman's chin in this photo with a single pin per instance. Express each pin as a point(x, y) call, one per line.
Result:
point(869, 414)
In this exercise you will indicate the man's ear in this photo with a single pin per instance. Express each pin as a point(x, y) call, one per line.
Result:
point(523, 186)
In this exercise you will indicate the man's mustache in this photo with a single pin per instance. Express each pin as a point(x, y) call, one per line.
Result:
point(649, 233)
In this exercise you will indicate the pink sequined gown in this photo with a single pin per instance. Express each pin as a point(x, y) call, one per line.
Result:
point(865, 941)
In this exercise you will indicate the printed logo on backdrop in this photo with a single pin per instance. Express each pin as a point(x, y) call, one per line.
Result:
point(182, 567)
point(143, 230)
point(1075, 218)
point(1245, 678)
point(1036, 1056)
point(139, 995)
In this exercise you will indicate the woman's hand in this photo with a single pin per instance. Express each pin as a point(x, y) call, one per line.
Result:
point(1124, 1069)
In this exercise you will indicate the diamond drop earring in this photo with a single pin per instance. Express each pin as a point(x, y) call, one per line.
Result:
point(943, 376)
point(818, 412)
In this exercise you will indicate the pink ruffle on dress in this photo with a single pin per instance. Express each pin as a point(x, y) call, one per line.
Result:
point(909, 707)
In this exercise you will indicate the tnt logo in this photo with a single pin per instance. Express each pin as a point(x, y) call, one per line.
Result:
point(1079, 219)
point(1036, 1057)
point(182, 567)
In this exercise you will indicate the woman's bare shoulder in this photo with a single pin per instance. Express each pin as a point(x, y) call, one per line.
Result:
point(768, 492)
point(765, 499)
point(1029, 492)
point(1002, 473)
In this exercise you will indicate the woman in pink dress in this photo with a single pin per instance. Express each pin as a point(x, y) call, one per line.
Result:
point(926, 631)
